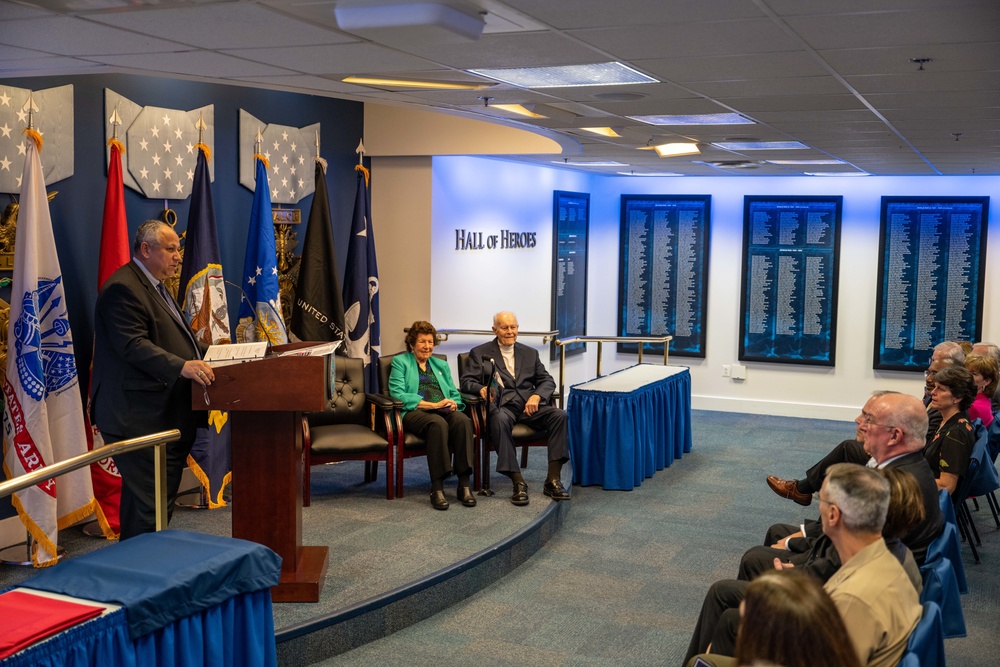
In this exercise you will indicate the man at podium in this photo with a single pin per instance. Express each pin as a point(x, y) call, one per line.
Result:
point(145, 361)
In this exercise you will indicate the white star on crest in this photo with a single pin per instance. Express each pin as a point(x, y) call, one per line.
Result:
point(167, 174)
point(275, 169)
point(167, 146)
point(20, 149)
point(268, 156)
point(6, 130)
point(293, 146)
point(190, 174)
point(18, 181)
point(22, 116)
point(276, 145)
point(180, 187)
point(143, 143)
point(144, 173)
point(5, 99)
point(155, 131)
point(291, 194)
point(284, 182)
point(302, 159)
point(179, 133)
point(156, 186)
point(166, 119)
point(284, 159)
point(156, 158)
point(274, 193)
point(179, 160)
point(292, 169)
point(190, 147)
point(5, 164)
point(301, 183)
point(284, 136)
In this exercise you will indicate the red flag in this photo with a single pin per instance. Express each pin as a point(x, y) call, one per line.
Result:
point(114, 254)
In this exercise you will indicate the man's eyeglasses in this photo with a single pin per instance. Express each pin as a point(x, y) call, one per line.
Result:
point(821, 499)
point(868, 420)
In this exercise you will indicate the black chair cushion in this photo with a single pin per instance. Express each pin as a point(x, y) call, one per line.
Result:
point(345, 439)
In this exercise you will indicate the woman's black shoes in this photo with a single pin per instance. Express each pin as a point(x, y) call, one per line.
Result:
point(465, 496)
point(438, 500)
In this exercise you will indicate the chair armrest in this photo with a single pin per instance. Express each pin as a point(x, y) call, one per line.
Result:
point(384, 402)
point(471, 399)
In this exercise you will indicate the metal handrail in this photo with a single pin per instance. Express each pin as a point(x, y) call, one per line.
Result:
point(547, 336)
point(600, 340)
point(157, 440)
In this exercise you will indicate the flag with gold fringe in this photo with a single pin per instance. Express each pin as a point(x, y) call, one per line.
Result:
point(203, 299)
point(43, 412)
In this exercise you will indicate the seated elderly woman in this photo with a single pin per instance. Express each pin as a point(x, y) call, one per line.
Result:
point(951, 448)
point(985, 373)
point(432, 409)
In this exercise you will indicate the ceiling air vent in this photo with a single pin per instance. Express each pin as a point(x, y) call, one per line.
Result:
point(734, 164)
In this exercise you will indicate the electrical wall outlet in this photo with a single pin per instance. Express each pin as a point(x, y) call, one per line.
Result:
point(739, 372)
point(726, 371)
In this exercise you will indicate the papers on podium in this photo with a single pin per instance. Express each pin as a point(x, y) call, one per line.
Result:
point(238, 353)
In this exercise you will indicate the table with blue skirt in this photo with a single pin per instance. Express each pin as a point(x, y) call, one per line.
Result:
point(627, 425)
point(185, 599)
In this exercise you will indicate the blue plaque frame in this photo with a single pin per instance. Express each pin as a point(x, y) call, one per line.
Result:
point(570, 242)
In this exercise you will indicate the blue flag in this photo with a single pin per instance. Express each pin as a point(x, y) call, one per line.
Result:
point(260, 273)
point(203, 299)
point(361, 317)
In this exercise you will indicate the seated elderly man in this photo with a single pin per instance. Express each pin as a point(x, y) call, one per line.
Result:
point(872, 592)
point(525, 389)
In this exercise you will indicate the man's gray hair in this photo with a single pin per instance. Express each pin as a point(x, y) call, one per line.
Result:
point(496, 318)
point(951, 349)
point(861, 494)
point(148, 232)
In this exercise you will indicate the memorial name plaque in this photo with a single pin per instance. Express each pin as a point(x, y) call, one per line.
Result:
point(932, 264)
point(663, 279)
point(788, 299)
point(570, 228)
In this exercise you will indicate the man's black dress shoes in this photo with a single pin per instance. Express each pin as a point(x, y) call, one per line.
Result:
point(555, 490)
point(465, 496)
point(520, 495)
point(438, 500)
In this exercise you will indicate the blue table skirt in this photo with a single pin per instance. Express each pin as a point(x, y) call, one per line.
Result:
point(229, 633)
point(619, 439)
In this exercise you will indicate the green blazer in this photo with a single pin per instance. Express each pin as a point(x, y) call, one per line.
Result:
point(404, 381)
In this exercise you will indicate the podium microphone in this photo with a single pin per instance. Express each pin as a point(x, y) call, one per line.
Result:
point(256, 319)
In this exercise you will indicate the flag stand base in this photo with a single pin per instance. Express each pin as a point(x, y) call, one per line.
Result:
point(13, 555)
point(201, 504)
point(93, 529)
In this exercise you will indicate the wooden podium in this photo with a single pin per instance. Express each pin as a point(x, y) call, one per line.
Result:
point(265, 400)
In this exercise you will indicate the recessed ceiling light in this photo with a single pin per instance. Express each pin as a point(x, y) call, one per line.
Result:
point(603, 131)
point(380, 82)
point(836, 173)
point(592, 163)
point(696, 119)
point(673, 150)
point(760, 145)
point(518, 109)
point(649, 173)
point(596, 74)
point(805, 161)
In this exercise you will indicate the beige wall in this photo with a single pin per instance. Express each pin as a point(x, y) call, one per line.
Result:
point(401, 211)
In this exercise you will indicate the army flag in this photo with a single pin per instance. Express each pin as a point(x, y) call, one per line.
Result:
point(318, 311)
point(361, 318)
point(260, 320)
point(202, 294)
point(43, 413)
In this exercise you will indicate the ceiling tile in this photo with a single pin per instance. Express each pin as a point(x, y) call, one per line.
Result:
point(69, 36)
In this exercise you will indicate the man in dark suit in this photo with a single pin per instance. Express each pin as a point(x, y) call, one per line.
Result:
point(145, 361)
point(524, 394)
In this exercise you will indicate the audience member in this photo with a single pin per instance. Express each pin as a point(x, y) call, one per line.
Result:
point(990, 350)
point(985, 373)
point(949, 452)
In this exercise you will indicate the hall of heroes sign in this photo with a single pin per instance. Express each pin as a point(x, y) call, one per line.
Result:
point(506, 239)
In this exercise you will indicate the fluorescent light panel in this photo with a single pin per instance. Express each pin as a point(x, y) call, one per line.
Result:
point(674, 150)
point(603, 131)
point(695, 119)
point(760, 145)
point(596, 74)
point(518, 109)
point(380, 82)
point(592, 163)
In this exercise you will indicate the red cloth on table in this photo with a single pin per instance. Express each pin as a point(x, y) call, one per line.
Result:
point(27, 618)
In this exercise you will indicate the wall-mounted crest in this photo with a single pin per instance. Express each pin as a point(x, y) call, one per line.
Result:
point(53, 119)
point(290, 151)
point(160, 154)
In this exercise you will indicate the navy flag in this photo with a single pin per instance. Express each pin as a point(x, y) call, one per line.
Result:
point(361, 288)
point(203, 299)
point(261, 320)
point(318, 311)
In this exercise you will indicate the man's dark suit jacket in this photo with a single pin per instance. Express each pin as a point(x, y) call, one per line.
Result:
point(139, 350)
point(532, 378)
